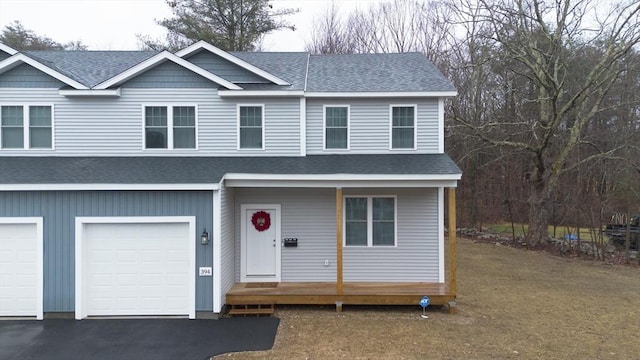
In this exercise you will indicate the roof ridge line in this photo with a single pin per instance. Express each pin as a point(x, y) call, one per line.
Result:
point(306, 72)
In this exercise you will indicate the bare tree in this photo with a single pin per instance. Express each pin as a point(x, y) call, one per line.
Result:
point(330, 35)
point(553, 102)
point(395, 26)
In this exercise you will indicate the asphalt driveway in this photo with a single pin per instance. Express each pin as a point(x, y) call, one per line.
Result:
point(155, 339)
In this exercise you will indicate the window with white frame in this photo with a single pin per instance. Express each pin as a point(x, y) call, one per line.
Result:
point(370, 221)
point(170, 127)
point(250, 126)
point(336, 122)
point(26, 127)
point(403, 127)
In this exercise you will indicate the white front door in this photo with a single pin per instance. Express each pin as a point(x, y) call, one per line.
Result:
point(260, 231)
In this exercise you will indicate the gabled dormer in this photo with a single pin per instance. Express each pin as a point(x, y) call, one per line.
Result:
point(163, 58)
point(227, 65)
point(24, 66)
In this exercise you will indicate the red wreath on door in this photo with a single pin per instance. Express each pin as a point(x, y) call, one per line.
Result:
point(261, 220)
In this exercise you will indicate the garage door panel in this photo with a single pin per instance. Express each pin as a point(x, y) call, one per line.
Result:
point(137, 269)
point(20, 261)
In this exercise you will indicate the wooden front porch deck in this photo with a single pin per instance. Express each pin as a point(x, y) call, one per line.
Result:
point(326, 293)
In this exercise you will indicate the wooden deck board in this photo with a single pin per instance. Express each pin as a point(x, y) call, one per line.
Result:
point(322, 293)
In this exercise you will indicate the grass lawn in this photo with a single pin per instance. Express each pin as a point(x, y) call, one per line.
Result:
point(513, 304)
point(561, 231)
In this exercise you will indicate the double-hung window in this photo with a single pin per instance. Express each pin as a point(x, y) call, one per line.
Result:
point(336, 127)
point(26, 127)
point(170, 127)
point(370, 221)
point(403, 127)
point(251, 127)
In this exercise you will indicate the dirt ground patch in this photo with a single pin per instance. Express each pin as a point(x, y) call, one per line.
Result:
point(512, 304)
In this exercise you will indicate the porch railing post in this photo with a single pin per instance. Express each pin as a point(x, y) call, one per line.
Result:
point(339, 232)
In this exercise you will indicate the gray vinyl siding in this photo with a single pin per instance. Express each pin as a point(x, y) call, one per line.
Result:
point(369, 125)
point(224, 68)
point(169, 75)
point(309, 215)
point(228, 260)
point(26, 76)
point(60, 208)
point(114, 126)
point(415, 258)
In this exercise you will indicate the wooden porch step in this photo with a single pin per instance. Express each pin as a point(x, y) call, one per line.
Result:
point(252, 309)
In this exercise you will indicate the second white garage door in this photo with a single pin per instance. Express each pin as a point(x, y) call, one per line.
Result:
point(137, 269)
point(21, 267)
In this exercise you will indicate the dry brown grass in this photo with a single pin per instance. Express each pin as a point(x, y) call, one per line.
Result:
point(513, 304)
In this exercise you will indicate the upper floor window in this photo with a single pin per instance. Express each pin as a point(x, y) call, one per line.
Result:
point(403, 126)
point(170, 127)
point(250, 127)
point(26, 127)
point(370, 221)
point(336, 122)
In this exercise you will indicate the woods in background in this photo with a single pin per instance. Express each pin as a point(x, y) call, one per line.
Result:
point(546, 126)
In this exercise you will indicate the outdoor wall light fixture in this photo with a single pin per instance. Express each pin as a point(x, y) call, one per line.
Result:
point(204, 238)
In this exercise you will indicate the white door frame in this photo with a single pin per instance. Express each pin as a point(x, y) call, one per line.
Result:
point(243, 243)
point(40, 257)
point(81, 221)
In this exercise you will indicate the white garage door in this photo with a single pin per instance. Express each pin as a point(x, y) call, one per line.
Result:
point(20, 268)
point(136, 269)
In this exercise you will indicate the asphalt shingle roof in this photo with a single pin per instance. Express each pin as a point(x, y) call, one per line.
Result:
point(208, 170)
point(375, 73)
point(289, 66)
point(406, 72)
point(90, 67)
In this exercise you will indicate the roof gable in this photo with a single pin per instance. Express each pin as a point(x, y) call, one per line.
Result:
point(169, 75)
point(26, 76)
point(19, 58)
point(224, 68)
point(202, 45)
point(159, 59)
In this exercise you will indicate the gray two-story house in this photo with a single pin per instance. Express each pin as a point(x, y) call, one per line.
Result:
point(138, 183)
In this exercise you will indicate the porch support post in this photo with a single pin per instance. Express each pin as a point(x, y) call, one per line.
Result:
point(452, 240)
point(339, 237)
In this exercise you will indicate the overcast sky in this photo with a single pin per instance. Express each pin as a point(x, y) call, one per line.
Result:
point(113, 24)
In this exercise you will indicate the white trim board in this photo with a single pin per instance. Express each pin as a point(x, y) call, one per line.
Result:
point(86, 93)
point(80, 312)
point(378, 94)
point(441, 265)
point(341, 184)
point(7, 49)
point(218, 296)
point(342, 177)
point(261, 93)
point(90, 187)
point(38, 221)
